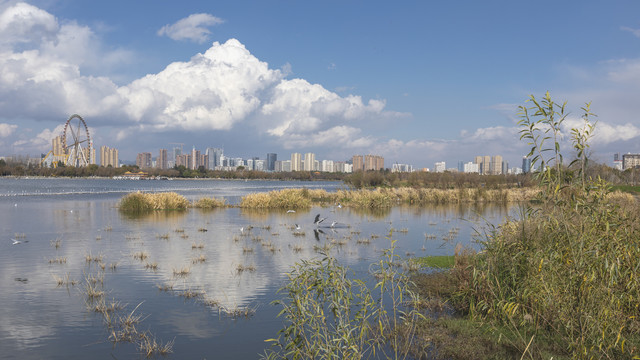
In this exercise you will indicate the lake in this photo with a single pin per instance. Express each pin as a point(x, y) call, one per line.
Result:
point(71, 230)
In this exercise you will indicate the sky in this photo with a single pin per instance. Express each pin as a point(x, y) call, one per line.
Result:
point(416, 82)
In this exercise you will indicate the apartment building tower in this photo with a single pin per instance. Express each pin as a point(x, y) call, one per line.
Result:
point(108, 156)
point(143, 160)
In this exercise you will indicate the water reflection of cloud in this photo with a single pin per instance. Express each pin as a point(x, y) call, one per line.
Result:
point(188, 324)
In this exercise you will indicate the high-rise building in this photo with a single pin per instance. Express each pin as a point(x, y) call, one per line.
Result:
point(284, 165)
point(195, 159)
point(471, 167)
point(161, 161)
point(271, 161)
point(183, 160)
point(373, 162)
point(108, 156)
point(496, 165)
point(143, 160)
point(440, 166)
point(214, 158)
point(296, 162)
point(630, 161)
point(358, 163)
point(526, 164)
point(309, 161)
point(327, 166)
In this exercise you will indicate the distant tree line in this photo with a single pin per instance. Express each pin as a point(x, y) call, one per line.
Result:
point(359, 179)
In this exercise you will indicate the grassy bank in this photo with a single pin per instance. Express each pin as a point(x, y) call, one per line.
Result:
point(561, 280)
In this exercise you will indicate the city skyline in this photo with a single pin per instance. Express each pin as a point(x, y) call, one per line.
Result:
point(419, 82)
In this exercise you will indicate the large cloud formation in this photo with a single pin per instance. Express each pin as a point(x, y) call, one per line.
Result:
point(43, 76)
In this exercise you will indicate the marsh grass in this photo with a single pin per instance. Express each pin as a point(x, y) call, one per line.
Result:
point(93, 258)
point(247, 250)
point(151, 266)
point(140, 255)
point(437, 262)
point(64, 281)
point(384, 197)
point(565, 270)
point(58, 260)
point(237, 311)
point(199, 260)
point(330, 315)
point(140, 202)
point(191, 293)
point(209, 203)
point(165, 287)
point(56, 243)
point(240, 268)
point(163, 236)
point(182, 272)
point(197, 246)
point(278, 199)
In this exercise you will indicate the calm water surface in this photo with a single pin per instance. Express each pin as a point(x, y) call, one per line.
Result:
point(61, 222)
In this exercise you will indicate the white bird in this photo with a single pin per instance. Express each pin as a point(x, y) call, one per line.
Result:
point(298, 227)
point(16, 242)
point(290, 211)
point(334, 223)
point(242, 230)
point(339, 206)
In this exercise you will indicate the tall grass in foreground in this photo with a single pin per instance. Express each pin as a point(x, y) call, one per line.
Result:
point(330, 315)
point(567, 270)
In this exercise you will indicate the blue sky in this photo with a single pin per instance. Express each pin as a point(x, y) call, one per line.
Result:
point(416, 82)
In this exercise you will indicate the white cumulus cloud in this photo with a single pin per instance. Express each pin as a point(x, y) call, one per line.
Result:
point(226, 88)
point(192, 28)
point(7, 130)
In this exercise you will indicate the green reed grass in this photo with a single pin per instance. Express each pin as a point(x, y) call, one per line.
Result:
point(331, 315)
point(567, 269)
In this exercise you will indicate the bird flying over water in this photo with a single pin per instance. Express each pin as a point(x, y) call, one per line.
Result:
point(318, 219)
point(16, 242)
point(290, 211)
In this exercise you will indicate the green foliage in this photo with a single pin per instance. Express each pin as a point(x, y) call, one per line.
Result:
point(330, 315)
point(439, 262)
point(567, 269)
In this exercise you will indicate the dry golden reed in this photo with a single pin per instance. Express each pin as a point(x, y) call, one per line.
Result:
point(139, 201)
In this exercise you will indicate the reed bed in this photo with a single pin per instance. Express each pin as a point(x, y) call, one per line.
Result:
point(278, 199)
point(383, 197)
point(572, 268)
point(209, 203)
point(139, 202)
